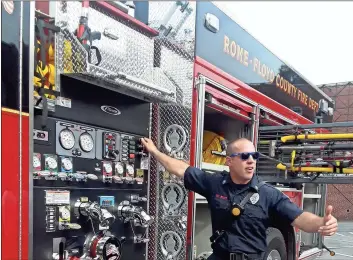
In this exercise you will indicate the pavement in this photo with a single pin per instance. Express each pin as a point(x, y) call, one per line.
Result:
point(341, 243)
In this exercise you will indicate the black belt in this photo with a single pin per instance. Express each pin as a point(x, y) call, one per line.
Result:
point(238, 255)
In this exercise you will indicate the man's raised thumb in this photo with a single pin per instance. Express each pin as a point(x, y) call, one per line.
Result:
point(328, 212)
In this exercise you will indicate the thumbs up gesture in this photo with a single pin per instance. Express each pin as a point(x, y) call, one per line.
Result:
point(330, 225)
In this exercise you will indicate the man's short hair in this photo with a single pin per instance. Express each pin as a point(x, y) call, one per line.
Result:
point(232, 146)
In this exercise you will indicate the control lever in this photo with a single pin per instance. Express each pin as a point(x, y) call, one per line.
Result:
point(92, 176)
point(73, 226)
point(332, 253)
point(80, 176)
point(94, 211)
point(138, 239)
point(135, 214)
point(43, 173)
point(135, 198)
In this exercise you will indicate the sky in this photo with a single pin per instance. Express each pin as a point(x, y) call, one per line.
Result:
point(316, 38)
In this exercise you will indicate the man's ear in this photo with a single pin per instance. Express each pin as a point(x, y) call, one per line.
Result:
point(228, 161)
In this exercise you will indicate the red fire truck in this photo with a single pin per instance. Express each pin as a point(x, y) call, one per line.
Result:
point(82, 81)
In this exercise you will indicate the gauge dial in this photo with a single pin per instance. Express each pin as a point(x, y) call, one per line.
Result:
point(65, 213)
point(108, 168)
point(86, 142)
point(51, 163)
point(130, 170)
point(119, 169)
point(67, 139)
point(36, 162)
point(66, 164)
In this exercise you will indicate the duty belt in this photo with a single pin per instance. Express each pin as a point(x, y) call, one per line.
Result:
point(238, 255)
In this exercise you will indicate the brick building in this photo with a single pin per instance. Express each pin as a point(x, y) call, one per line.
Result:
point(341, 195)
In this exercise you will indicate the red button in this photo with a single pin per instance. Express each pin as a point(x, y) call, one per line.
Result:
point(131, 156)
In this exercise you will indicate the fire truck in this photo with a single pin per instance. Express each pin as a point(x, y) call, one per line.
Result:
point(83, 81)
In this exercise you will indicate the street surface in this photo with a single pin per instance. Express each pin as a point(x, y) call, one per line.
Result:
point(341, 243)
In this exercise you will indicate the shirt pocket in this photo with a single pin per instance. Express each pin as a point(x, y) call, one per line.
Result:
point(255, 218)
point(255, 212)
point(221, 204)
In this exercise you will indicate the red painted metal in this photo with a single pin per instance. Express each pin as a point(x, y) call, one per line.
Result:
point(115, 11)
point(270, 122)
point(226, 99)
point(191, 195)
point(205, 68)
point(10, 188)
point(297, 198)
point(25, 185)
point(236, 116)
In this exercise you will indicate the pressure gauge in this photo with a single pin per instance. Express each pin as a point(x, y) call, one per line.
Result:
point(130, 170)
point(36, 162)
point(86, 142)
point(65, 213)
point(108, 168)
point(51, 163)
point(66, 164)
point(119, 169)
point(67, 139)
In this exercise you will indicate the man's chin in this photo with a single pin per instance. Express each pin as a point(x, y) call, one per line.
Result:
point(249, 175)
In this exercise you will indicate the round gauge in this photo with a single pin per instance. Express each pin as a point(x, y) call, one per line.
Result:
point(67, 139)
point(51, 163)
point(65, 213)
point(66, 164)
point(86, 142)
point(130, 169)
point(36, 162)
point(119, 168)
point(108, 168)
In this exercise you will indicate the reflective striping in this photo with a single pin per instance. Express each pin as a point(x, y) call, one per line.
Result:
point(13, 111)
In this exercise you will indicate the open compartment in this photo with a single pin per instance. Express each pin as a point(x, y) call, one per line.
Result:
point(224, 118)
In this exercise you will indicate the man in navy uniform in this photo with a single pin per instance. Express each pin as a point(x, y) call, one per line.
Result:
point(240, 204)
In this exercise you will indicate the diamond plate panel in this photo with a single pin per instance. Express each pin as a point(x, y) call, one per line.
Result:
point(125, 60)
point(174, 54)
point(166, 61)
point(168, 115)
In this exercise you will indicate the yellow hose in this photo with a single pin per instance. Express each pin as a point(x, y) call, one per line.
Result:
point(281, 166)
point(212, 142)
point(292, 159)
point(316, 137)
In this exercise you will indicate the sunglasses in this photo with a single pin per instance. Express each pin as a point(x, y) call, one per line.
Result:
point(245, 156)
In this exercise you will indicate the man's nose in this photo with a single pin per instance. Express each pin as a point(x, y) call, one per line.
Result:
point(250, 159)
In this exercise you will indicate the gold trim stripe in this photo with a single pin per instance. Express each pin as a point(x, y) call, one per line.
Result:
point(13, 111)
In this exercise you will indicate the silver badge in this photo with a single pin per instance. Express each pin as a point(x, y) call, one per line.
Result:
point(254, 198)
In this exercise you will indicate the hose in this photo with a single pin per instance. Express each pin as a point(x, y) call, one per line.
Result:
point(281, 166)
point(212, 142)
point(293, 158)
point(315, 137)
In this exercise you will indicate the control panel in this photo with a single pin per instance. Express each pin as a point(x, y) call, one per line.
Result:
point(89, 180)
point(90, 185)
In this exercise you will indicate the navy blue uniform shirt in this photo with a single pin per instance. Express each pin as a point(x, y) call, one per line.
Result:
point(247, 233)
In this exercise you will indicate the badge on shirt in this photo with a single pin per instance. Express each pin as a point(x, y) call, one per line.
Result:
point(254, 198)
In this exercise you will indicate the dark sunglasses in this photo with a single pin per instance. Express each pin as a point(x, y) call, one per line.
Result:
point(245, 156)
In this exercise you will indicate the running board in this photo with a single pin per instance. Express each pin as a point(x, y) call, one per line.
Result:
point(311, 254)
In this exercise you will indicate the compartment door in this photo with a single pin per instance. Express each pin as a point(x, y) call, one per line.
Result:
point(229, 105)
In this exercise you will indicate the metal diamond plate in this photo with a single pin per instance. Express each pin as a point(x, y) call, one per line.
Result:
point(174, 54)
point(166, 61)
point(166, 115)
point(131, 55)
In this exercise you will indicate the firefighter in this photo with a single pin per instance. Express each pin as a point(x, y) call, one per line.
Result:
point(240, 204)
